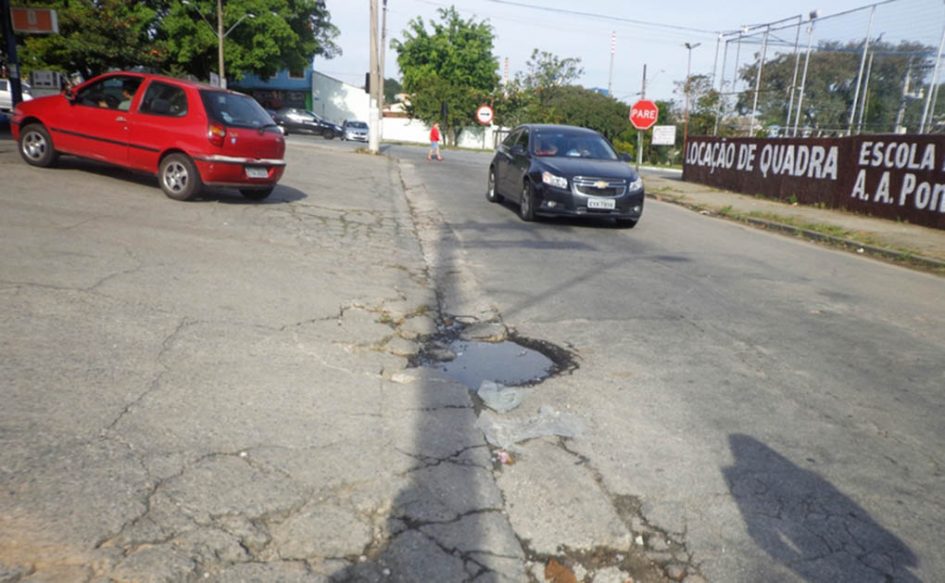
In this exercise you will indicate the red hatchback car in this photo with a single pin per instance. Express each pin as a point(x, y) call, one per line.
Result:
point(188, 134)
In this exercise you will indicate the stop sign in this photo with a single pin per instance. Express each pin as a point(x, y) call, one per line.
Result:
point(643, 114)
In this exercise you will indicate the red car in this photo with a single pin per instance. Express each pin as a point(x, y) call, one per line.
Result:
point(188, 134)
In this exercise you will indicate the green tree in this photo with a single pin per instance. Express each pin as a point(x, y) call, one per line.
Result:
point(546, 72)
point(181, 39)
point(449, 70)
point(831, 86)
point(703, 105)
point(95, 37)
point(391, 88)
point(529, 96)
point(283, 34)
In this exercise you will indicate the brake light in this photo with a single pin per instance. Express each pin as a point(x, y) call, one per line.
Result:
point(216, 133)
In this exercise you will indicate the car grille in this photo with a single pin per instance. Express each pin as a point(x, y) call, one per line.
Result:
point(600, 186)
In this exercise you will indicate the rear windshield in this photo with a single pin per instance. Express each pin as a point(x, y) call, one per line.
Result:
point(234, 109)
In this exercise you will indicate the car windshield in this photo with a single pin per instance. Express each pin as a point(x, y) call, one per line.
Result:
point(564, 144)
point(357, 124)
point(234, 109)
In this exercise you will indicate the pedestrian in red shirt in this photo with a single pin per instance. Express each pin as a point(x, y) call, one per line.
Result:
point(435, 143)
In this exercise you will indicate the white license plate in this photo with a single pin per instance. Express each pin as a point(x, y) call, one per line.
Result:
point(601, 203)
point(257, 172)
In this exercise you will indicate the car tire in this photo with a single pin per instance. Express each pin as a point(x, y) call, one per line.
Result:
point(256, 193)
point(492, 195)
point(36, 146)
point(179, 177)
point(526, 207)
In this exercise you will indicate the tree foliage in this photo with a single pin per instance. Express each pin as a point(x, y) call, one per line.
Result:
point(831, 85)
point(703, 105)
point(447, 70)
point(181, 39)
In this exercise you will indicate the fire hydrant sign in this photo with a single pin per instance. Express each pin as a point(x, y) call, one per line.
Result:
point(643, 114)
point(484, 115)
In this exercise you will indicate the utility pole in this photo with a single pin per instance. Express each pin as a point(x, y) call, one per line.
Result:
point(382, 62)
point(859, 76)
point(640, 132)
point(610, 76)
point(689, 47)
point(16, 87)
point(373, 105)
point(220, 43)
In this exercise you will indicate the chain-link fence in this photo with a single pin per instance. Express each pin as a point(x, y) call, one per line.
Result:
point(874, 69)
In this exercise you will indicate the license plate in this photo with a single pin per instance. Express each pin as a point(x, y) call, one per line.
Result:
point(601, 203)
point(257, 172)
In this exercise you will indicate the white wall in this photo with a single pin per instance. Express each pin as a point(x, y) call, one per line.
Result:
point(402, 129)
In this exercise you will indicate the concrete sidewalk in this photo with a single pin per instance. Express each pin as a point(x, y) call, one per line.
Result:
point(902, 243)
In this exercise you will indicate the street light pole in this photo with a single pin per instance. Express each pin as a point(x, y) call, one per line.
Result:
point(689, 47)
point(220, 43)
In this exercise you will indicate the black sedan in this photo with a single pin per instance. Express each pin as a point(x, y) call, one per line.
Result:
point(555, 170)
point(299, 121)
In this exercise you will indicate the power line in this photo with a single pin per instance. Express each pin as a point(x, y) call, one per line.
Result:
point(603, 16)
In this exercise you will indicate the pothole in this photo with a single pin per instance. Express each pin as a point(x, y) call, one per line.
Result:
point(513, 362)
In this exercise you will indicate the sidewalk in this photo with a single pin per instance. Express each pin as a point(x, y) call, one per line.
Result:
point(902, 243)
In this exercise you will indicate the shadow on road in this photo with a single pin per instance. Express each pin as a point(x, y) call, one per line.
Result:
point(806, 524)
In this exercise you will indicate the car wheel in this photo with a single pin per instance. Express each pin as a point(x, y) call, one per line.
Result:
point(36, 146)
point(179, 177)
point(491, 194)
point(256, 193)
point(526, 208)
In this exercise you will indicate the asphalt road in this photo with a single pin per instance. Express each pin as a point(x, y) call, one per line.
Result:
point(776, 406)
point(216, 390)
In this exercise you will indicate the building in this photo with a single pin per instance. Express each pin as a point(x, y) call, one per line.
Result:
point(337, 101)
point(284, 89)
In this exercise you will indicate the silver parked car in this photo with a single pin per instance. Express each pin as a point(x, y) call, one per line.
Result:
point(6, 95)
point(355, 130)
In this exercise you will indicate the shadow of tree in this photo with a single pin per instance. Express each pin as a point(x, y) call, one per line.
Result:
point(806, 524)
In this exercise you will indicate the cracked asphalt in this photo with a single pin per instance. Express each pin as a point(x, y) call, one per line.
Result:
point(218, 390)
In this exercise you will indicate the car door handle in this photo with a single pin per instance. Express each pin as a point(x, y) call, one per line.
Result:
point(121, 118)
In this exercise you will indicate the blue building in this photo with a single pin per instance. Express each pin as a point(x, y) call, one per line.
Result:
point(284, 89)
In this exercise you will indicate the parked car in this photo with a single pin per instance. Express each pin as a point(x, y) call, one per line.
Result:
point(299, 121)
point(188, 134)
point(6, 95)
point(557, 170)
point(354, 130)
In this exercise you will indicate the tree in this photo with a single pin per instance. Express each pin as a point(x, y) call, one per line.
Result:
point(831, 86)
point(703, 104)
point(392, 88)
point(95, 37)
point(449, 70)
point(181, 39)
point(547, 71)
point(283, 34)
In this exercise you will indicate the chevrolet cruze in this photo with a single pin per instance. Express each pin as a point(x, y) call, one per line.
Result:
point(557, 170)
point(187, 134)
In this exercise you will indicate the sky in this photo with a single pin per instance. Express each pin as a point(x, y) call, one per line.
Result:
point(653, 34)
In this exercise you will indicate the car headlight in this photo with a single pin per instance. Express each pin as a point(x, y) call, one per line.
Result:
point(556, 181)
point(636, 184)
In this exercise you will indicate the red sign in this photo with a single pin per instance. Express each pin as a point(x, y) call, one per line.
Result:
point(643, 114)
point(484, 114)
point(35, 20)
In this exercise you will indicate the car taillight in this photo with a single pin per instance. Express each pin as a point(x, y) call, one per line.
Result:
point(216, 133)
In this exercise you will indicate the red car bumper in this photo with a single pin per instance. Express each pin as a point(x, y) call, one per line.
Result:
point(239, 172)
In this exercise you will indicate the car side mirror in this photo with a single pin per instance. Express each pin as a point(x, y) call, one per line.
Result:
point(70, 96)
point(625, 157)
point(518, 150)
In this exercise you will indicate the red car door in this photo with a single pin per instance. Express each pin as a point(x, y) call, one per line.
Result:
point(97, 122)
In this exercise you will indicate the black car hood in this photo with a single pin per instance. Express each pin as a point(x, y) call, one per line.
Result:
point(569, 167)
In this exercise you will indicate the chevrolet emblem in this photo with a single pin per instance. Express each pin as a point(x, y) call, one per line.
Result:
point(600, 184)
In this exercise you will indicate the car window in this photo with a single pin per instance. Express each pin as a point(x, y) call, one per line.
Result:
point(115, 92)
point(164, 99)
point(234, 109)
point(573, 145)
point(523, 140)
point(3, 85)
point(510, 139)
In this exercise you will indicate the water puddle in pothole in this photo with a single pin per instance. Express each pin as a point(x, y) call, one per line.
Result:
point(507, 363)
